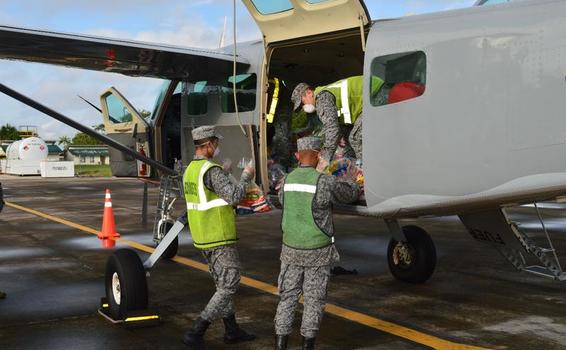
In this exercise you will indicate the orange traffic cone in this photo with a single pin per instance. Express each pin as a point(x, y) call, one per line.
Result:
point(108, 234)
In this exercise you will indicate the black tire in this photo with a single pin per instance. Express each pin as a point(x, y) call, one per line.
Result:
point(126, 265)
point(422, 253)
point(171, 251)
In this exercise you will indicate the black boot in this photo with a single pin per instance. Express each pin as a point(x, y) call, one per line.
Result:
point(234, 334)
point(281, 342)
point(308, 343)
point(195, 337)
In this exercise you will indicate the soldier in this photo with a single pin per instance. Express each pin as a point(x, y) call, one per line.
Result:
point(339, 106)
point(210, 196)
point(308, 244)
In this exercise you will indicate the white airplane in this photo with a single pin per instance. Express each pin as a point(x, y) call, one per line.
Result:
point(485, 131)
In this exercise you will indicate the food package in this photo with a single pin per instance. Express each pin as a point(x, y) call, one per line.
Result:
point(253, 202)
point(339, 168)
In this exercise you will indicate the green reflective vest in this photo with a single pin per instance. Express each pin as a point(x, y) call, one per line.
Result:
point(211, 219)
point(349, 96)
point(300, 231)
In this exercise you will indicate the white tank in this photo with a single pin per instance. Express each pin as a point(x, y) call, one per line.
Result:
point(32, 148)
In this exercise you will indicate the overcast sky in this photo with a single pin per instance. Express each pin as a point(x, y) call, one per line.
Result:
point(196, 23)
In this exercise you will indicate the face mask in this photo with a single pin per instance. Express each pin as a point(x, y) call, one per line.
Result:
point(309, 108)
point(216, 152)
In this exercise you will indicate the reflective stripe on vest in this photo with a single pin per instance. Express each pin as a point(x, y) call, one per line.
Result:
point(299, 188)
point(204, 204)
point(344, 96)
point(274, 101)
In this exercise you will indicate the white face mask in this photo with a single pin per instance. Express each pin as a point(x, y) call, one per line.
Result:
point(309, 108)
point(216, 152)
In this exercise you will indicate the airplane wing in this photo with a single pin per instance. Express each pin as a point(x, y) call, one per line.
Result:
point(114, 55)
point(524, 190)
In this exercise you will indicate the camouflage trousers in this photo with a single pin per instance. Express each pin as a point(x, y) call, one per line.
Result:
point(309, 281)
point(224, 266)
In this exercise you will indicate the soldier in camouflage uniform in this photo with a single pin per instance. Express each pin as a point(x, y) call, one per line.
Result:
point(308, 244)
point(339, 107)
point(210, 197)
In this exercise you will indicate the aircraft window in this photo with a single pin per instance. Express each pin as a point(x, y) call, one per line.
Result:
point(246, 85)
point(269, 7)
point(117, 111)
point(398, 77)
point(198, 98)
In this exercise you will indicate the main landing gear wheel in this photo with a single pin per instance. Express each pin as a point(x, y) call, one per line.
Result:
point(412, 261)
point(126, 284)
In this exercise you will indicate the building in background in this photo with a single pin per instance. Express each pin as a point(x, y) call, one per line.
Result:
point(88, 155)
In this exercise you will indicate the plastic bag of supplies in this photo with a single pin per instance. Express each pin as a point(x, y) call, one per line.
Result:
point(253, 202)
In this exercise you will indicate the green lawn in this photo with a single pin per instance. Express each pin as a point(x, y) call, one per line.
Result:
point(92, 170)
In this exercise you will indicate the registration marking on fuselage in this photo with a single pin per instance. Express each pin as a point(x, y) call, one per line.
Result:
point(354, 316)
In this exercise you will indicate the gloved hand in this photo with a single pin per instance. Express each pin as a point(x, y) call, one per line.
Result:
point(249, 170)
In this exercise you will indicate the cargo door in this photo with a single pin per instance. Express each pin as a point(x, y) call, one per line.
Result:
point(283, 20)
point(123, 123)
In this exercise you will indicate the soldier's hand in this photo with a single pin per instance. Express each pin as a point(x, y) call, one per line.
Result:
point(322, 165)
point(249, 169)
point(227, 165)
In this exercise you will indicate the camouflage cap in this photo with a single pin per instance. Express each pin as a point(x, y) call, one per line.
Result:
point(297, 95)
point(309, 143)
point(204, 132)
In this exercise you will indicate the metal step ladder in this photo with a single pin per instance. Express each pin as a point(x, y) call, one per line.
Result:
point(550, 263)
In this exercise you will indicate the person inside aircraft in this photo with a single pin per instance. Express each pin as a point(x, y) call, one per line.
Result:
point(278, 119)
point(339, 108)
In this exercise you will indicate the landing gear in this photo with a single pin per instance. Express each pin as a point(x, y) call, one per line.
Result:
point(171, 251)
point(414, 259)
point(126, 285)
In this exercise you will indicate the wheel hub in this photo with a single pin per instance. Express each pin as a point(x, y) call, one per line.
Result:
point(116, 293)
point(402, 254)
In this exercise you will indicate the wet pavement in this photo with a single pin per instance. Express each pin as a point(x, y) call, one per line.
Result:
point(53, 275)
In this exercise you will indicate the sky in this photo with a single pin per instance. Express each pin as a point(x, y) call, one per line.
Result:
point(194, 23)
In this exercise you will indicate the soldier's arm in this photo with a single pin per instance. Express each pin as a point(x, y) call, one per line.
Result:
point(218, 181)
point(342, 191)
point(328, 114)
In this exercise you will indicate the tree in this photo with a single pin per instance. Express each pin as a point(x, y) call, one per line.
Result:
point(65, 141)
point(84, 139)
point(145, 114)
point(9, 132)
point(100, 128)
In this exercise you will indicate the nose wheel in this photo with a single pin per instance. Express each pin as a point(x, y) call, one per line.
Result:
point(414, 259)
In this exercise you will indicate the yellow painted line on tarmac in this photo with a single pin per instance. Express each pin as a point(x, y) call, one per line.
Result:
point(354, 316)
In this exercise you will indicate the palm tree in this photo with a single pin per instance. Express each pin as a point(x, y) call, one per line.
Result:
point(64, 140)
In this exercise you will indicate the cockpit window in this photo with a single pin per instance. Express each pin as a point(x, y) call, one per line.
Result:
point(269, 7)
point(397, 77)
point(117, 111)
point(491, 2)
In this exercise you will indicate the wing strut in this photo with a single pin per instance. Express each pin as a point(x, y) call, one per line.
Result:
point(102, 138)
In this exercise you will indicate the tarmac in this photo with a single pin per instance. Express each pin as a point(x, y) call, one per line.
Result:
point(52, 269)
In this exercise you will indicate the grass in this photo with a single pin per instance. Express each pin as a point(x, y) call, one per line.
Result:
point(92, 170)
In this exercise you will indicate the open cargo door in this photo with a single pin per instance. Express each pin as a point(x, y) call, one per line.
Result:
point(283, 20)
point(124, 124)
